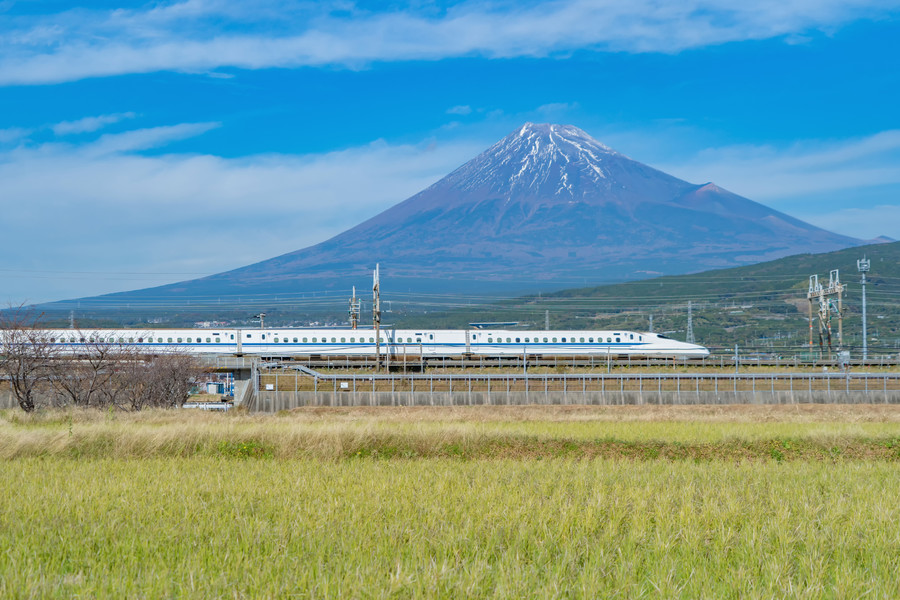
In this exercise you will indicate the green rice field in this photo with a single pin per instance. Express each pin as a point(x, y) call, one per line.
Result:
point(692, 502)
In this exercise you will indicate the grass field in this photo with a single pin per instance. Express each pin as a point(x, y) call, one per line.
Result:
point(743, 501)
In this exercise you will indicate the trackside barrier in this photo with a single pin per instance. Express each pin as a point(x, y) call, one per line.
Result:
point(286, 390)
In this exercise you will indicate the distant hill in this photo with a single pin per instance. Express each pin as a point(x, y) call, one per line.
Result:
point(545, 208)
point(760, 306)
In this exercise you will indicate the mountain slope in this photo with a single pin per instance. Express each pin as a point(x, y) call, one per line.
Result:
point(547, 207)
point(756, 306)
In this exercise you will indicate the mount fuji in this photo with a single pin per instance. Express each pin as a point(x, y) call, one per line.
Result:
point(545, 208)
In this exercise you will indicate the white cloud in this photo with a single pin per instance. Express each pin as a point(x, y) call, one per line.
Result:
point(814, 180)
point(180, 215)
point(13, 134)
point(460, 110)
point(144, 139)
point(806, 167)
point(89, 124)
point(200, 36)
point(864, 223)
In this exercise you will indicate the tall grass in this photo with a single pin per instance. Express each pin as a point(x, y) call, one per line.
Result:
point(204, 527)
point(432, 433)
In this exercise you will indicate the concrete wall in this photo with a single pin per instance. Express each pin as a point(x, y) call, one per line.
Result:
point(7, 400)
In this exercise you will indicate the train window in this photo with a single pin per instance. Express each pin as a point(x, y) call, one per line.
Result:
point(590, 340)
point(248, 336)
point(581, 340)
point(314, 340)
point(232, 337)
point(618, 340)
point(526, 340)
point(564, 340)
point(295, 340)
point(333, 340)
point(276, 340)
point(343, 340)
point(508, 340)
point(490, 340)
point(608, 340)
point(189, 340)
point(130, 340)
point(179, 340)
point(418, 340)
point(430, 336)
point(640, 338)
point(631, 336)
point(305, 340)
point(140, 340)
point(169, 340)
point(554, 340)
point(52, 340)
point(545, 340)
point(208, 340)
point(517, 340)
point(371, 340)
point(220, 339)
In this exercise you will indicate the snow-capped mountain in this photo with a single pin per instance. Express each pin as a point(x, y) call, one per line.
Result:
point(547, 207)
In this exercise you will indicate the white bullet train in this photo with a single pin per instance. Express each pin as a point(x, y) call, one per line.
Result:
point(285, 342)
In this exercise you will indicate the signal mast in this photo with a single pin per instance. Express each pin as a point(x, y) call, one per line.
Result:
point(862, 266)
point(354, 310)
point(376, 318)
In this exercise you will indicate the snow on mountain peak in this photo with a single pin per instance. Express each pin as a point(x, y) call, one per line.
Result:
point(539, 159)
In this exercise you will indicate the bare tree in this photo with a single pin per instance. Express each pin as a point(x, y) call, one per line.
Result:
point(174, 374)
point(26, 355)
point(162, 381)
point(80, 378)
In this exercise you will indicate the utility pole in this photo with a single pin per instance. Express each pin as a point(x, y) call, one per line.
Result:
point(862, 266)
point(546, 320)
point(651, 323)
point(376, 318)
point(354, 310)
point(262, 320)
point(690, 325)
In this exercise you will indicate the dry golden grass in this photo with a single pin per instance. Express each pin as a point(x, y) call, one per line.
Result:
point(646, 432)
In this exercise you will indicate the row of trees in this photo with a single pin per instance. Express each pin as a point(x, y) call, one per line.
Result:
point(41, 372)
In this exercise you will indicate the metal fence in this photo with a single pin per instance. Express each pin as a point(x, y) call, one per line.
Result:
point(285, 390)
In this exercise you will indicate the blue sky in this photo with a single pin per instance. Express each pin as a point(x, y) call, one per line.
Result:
point(144, 143)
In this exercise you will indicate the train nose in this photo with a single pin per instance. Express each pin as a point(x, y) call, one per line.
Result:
point(700, 351)
point(694, 350)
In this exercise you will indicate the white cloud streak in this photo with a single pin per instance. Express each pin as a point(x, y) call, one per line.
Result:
point(814, 180)
point(106, 206)
point(88, 124)
point(201, 36)
point(812, 166)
